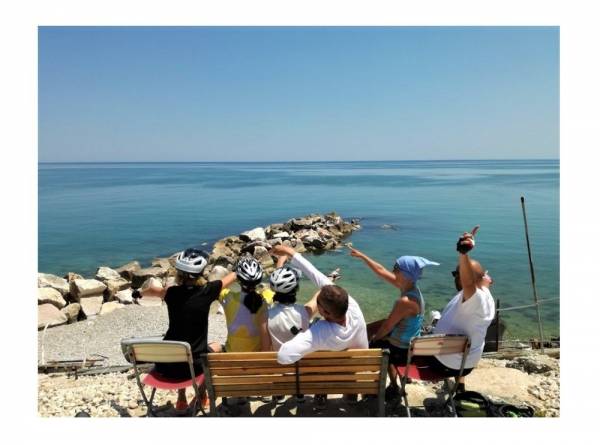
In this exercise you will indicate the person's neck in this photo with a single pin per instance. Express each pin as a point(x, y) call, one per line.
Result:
point(341, 322)
point(407, 288)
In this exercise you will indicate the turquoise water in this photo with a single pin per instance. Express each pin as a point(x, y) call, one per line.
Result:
point(109, 214)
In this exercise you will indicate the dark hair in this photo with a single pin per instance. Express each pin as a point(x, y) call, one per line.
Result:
point(285, 298)
point(334, 299)
point(183, 277)
point(253, 301)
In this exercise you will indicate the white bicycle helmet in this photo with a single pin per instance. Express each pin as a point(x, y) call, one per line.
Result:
point(284, 280)
point(248, 270)
point(192, 261)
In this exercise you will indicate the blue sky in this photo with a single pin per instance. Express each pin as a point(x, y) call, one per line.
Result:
point(277, 94)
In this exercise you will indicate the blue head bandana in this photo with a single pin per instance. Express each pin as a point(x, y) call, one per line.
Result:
point(412, 266)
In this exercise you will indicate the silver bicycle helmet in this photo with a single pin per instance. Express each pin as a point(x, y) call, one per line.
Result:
point(248, 270)
point(284, 280)
point(192, 261)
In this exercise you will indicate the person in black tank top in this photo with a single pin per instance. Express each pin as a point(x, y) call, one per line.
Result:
point(188, 307)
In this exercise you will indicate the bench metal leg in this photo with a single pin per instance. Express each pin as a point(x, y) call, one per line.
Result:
point(450, 388)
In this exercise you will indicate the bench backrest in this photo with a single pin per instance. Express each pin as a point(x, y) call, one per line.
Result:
point(439, 344)
point(158, 351)
point(354, 371)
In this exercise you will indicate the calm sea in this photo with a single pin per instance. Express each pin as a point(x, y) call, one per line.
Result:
point(109, 214)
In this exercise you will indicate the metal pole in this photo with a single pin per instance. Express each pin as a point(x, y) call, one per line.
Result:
point(535, 297)
point(497, 324)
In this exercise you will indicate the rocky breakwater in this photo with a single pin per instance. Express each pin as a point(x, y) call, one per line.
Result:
point(312, 233)
point(72, 298)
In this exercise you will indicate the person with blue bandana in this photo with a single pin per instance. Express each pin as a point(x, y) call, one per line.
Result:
point(406, 317)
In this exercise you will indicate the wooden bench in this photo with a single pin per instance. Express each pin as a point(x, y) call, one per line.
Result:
point(354, 371)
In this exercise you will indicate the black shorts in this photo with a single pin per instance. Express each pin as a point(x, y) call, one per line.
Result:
point(439, 367)
point(398, 356)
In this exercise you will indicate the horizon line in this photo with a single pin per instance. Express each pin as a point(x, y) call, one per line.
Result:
point(297, 162)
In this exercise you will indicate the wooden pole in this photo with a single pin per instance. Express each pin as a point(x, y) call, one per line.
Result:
point(535, 297)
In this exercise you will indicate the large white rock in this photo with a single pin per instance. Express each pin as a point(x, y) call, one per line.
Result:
point(255, 234)
point(58, 283)
point(125, 296)
point(217, 273)
point(146, 290)
point(106, 273)
point(107, 308)
point(50, 315)
point(116, 285)
point(149, 301)
point(71, 311)
point(126, 270)
point(139, 276)
point(84, 288)
point(91, 305)
point(263, 256)
point(72, 276)
point(51, 296)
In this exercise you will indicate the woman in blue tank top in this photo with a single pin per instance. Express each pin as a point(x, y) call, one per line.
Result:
point(405, 319)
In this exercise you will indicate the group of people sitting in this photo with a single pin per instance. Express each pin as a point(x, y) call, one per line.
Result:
point(274, 321)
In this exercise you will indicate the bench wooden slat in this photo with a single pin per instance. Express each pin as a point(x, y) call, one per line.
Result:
point(251, 356)
point(292, 391)
point(247, 364)
point(254, 371)
point(304, 387)
point(227, 380)
point(302, 370)
point(221, 391)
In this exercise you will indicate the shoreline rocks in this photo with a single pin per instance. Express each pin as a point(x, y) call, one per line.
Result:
point(76, 298)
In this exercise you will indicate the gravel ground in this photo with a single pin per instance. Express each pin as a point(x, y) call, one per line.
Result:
point(102, 335)
point(533, 379)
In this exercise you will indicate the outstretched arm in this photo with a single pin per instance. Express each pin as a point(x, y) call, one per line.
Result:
point(311, 272)
point(281, 260)
point(377, 268)
point(311, 305)
point(228, 279)
point(467, 274)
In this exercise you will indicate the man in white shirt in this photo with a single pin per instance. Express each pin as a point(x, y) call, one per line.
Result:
point(343, 325)
point(469, 313)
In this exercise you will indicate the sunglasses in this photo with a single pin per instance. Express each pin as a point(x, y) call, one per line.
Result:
point(454, 273)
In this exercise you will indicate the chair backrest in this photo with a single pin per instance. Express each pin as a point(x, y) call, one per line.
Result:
point(159, 351)
point(439, 344)
point(352, 371)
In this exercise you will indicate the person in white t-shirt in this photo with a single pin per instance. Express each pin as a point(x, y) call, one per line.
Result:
point(343, 324)
point(286, 317)
point(470, 312)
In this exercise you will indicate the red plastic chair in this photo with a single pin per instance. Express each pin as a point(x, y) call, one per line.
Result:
point(162, 351)
point(429, 345)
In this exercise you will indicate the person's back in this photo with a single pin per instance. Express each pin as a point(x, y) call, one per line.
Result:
point(188, 308)
point(243, 326)
point(285, 322)
point(286, 317)
point(410, 326)
point(246, 312)
point(472, 309)
point(472, 318)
